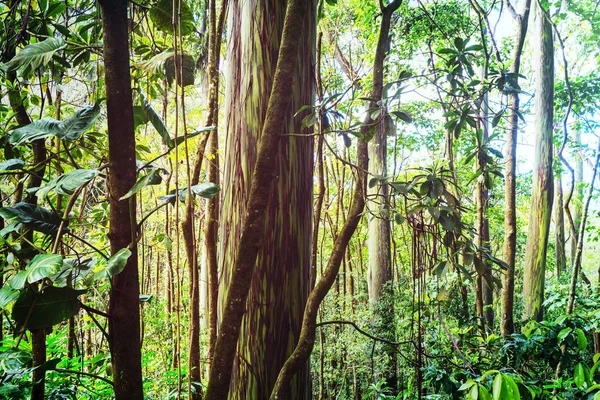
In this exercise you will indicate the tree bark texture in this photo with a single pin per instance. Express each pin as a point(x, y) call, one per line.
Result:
point(297, 361)
point(258, 189)
point(281, 281)
point(559, 228)
point(507, 325)
point(542, 191)
point(124, 312)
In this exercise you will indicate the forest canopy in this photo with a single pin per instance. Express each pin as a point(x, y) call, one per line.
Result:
point(294, 199)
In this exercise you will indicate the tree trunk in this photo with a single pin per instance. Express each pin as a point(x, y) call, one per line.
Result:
point(559, 228)
point(578, 192)
point(507, 325)
point(305, 345)
point(542, 192)
point(379, 278)
point(124, 312)
point(275, 157)
point(280, 285)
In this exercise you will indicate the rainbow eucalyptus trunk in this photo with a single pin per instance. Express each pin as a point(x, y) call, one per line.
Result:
point(124, 310)
point(542, 193)
point(578, 195)
point(510, 174)
point(281, 280)
point(559, 224)
point(379, 278)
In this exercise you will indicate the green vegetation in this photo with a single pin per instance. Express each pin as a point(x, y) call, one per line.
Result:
point(330, 199)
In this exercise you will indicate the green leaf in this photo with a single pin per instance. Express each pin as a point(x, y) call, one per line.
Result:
point(563, 334)
point(181, 139)
point(497, 387)
point(161, 15)
point(36, 54)
point(403, 116)
point(157, 122)
point(141, 183)
point(484, 394)
point(45, 309)
point(579, 375)
point(116, 264)
point(144, 298)
point(66, 184)
point(14, 360)
point(69, 129)
point(510, 390)
point(12, 164)
point(207, 190)
point(40, 267)
point(582, 341)
point(37, 218)
point(7, 295)
point(473, 393)
point(466, 385)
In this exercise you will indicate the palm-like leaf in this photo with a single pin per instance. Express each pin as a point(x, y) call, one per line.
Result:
point(36, 54)
point(69, 129)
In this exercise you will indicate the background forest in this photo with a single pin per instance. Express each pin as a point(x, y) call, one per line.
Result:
point(331, 199)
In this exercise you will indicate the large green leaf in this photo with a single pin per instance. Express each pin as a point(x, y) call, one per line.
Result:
point(142, 182)
point(42, 266)
point(36, 54)
point(117, 262)
point(37, 218)
point(208, 190)
point(161, 15)
point(67, 183)
point(7, 295)
point(45, 309)
point(69, 129)
point(13, 163)
point(14, 360)
point(157, 122)
point(156, 64)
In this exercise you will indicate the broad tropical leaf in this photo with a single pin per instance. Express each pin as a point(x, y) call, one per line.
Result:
point(14, 360)
point(67, 184)
point(7, 295)
point(117, 262)
point(161, 15)
point(36, 54)
point(42, 266)
point(13, 163)
point(37, 218)
point(148, 179)
point(157, 122)
point(208, 190)
point(69, 129)
point(156, 64)
point(45, 309)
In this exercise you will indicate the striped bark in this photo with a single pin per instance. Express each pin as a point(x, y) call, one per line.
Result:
point(542, 193)
point(281, 280)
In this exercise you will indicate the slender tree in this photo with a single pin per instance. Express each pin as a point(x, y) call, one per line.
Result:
point(301, 353)
point(542, 192)
point(124, 312)
point(559, 227)
point(507, 325)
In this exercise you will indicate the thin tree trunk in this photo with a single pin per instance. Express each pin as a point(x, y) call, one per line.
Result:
point(264, 177)
point(559, 228)
point(306, 343)
point(124, 312)
point(507, 325)
point(542, 192)
point(578, 198)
